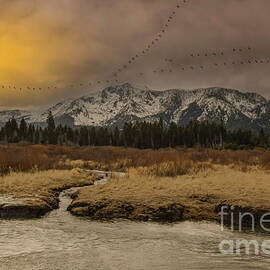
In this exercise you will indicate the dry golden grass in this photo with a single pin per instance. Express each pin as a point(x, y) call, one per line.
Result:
point(43, 183)
point(199, 193)
point(25, 158)
point(172, 168)
point(33, 194)
point(197, 179)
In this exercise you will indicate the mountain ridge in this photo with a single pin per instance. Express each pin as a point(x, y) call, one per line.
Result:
point(116, 104)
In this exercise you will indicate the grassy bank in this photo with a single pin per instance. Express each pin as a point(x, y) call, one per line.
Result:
point(166, 184)
point(33, 194)
point(197, 195)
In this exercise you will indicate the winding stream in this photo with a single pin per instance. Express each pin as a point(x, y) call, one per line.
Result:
point(62, 241)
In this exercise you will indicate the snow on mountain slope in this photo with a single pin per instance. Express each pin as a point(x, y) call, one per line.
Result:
point(17, 114)
point(116, 104)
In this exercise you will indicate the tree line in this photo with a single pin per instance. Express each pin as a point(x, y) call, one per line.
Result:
point(139, 134)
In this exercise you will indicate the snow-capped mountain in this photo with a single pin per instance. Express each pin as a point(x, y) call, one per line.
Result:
point(117, 104)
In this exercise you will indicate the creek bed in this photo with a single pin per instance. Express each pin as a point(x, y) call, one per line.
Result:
point(62, 241)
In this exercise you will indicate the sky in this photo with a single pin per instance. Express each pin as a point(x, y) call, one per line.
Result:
point(53, 50)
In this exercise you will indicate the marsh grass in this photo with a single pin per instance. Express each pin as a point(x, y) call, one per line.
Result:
point(43, 183)
point(172, 168)
point(161, 162)
point(198, 192)
point(197, 178)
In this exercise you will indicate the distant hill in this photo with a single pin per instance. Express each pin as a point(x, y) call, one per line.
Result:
point(117, 104)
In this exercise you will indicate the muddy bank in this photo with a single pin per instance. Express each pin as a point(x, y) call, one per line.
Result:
point(41, 200)
point(185, 198)
point(28, 208)
point(192, 208)
point(115, 209)
point(161, 209)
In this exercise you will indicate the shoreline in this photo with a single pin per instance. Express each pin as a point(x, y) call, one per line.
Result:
point(152, 199)
point(184, 198)
point(172, 212)
point(38, 201)
point(164, 213)
point(31, 208)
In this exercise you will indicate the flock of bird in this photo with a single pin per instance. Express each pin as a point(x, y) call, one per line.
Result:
point(174, 65)
point(156, 39)
point(115, 78)
point(219, 53)
point(219, 61)
point(228, 63)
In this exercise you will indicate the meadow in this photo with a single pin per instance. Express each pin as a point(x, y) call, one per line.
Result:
point(197, 195)
point(169, 161)
point(170, 184)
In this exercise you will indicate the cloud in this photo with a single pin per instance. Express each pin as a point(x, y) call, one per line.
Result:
point(64, 42)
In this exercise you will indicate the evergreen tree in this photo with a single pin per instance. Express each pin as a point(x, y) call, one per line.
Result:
point(116, 136)
point(140, 134)
point(23, 130)
point(52, 138)
point(172, 135)
point(92, 135)
point(30, 133)
point(84, 136)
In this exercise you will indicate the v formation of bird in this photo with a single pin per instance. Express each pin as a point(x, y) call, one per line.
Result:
point(215, 57)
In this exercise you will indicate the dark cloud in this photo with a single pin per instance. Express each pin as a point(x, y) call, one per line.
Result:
point(68, 42)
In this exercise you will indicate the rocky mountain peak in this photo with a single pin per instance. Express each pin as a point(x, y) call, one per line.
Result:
point(116, 104)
